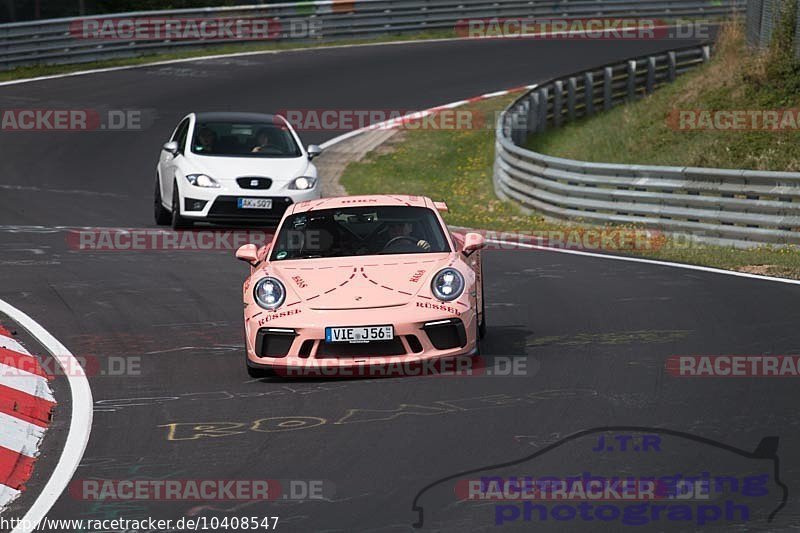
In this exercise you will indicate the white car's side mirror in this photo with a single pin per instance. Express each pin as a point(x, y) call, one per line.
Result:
point(171, 147)
point(313, 151)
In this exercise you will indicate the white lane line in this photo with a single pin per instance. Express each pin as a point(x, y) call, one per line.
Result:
point(19, 435)
point(650, 262)
point(80, 426)
point(492, 95)
point(23, 381)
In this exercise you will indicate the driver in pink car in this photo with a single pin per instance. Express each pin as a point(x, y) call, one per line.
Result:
point(398, 230)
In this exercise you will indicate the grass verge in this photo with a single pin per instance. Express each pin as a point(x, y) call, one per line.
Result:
point(736, 79)
point(456, 166)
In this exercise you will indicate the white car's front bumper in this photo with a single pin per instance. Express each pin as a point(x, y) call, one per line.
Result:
point(222, 204)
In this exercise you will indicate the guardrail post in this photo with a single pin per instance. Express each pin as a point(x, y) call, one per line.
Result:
point(753, 24)
point(588, 93)
point(543, 95)
point(768, 11)
point(533, 111)
point(521, 123)
point(558, 102)
point(631, 80)
point(608, 78)
point(797, 35)
point(572, 88)
point(671, 66)
point(651, 74)
point(706, 54)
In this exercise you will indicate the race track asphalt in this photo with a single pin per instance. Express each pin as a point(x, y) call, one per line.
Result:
point(595, 333)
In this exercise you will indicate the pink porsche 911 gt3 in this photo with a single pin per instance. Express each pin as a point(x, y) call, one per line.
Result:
point(354, 280)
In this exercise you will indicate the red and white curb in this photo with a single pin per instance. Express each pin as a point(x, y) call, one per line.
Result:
point(26, 405)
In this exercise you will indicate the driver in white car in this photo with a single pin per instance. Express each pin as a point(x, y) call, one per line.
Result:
point(262, 141)
point(206, 139)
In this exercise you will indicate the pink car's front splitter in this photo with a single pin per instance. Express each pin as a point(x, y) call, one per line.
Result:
point(460, 364)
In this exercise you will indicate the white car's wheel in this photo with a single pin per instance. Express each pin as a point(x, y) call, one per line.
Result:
point(178, 222)
point(161, 215)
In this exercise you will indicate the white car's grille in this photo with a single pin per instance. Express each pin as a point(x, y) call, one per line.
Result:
point(254, 182)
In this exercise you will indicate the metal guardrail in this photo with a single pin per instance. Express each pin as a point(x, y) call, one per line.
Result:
point(718, 206)
point(760, 21)
point(762, 17)
point(55, 41)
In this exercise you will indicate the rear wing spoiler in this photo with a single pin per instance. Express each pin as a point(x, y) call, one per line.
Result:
point(441, 207)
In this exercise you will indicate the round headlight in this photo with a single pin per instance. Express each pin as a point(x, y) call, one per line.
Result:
point(447, 284)
point(269, 293)
point(303, 183)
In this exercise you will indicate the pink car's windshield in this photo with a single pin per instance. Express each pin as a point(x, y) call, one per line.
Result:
point(355, 231)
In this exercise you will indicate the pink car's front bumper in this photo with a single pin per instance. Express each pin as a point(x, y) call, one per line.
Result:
point(283, 341)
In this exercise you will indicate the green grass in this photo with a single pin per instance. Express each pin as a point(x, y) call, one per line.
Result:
point(737, 79)
point(456, 166)
point(35, 71)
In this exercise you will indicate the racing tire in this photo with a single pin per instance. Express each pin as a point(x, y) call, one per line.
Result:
point(178, 222)
point(162, 216)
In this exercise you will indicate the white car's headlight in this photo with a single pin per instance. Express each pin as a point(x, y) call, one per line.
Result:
point(201, 180)
point(303, 183)
point(447, 284)
point(269, 293)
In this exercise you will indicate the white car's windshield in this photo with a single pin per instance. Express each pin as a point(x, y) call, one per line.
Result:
point(355, 231)
point(243, 139)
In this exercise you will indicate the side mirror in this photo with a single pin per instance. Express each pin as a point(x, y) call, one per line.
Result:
point(313, 151)
point(249, 253)
point(472, 243)
point(171, 147)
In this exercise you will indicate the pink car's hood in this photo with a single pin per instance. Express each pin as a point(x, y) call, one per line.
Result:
point(347, 283)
